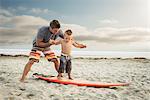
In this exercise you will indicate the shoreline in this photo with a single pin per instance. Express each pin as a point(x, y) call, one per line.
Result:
point(94, 58)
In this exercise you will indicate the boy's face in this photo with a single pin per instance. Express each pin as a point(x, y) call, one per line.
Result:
point(67, 38)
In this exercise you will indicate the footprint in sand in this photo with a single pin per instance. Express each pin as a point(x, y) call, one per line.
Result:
point(2, 79)
point(30, 96)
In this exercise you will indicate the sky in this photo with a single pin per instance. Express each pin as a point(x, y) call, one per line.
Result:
point(104, 25)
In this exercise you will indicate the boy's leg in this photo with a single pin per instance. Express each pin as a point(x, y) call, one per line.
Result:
point(59, 75)
point(69, 76)
point(68, 69)
point(27, 69)
point(61, 67)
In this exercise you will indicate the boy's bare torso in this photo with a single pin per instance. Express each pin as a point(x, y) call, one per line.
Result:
point(66, 47)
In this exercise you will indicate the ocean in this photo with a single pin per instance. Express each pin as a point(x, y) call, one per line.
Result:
point(81, 53)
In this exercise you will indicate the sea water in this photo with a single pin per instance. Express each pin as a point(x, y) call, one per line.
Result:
point(82, 53)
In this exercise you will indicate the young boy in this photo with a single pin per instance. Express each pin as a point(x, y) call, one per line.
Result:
point(66, 47)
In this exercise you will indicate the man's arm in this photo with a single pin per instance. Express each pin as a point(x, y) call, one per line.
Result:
point(39, 38)
point(61, 35)
point(40, 43)
point(77, 45)
point(56, 42)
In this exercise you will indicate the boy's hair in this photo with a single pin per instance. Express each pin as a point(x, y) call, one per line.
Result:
point(54, 24)
point(68, 32)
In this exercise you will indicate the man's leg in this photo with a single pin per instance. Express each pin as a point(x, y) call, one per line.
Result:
point(56, 63)
point(50, 56)
point(33, 57)
point(27, 69)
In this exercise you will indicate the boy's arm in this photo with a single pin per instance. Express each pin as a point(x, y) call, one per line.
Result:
point(77, 45)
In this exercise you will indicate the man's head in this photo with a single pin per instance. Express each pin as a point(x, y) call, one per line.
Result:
point(68, 35)
point(54, 26)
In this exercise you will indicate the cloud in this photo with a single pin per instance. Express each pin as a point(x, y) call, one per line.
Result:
point(4, 19)
point(39, 11)
point(108, 21)
point(5, 12)
point(22, 8)
point(23, 22)
point(26, 26)
point(117, 35)
point(26, 20)
point(78, 30)
point(19, 29)
point(23, 28)
point(31, 11)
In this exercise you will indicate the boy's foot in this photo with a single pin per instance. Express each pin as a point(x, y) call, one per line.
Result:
point(59, 77)
point(70, 78)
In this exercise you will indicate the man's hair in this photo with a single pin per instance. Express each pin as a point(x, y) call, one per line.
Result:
point(54, 24)
point(68, 32)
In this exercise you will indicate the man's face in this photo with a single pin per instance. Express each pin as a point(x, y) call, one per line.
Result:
point(54, 30)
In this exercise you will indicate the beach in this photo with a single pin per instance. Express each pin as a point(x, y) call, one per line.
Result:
point(107, 40)
point(105, 70)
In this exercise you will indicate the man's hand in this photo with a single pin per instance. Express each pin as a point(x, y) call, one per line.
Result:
point(51, 41)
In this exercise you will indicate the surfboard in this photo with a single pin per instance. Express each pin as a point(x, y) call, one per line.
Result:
point(76, 82)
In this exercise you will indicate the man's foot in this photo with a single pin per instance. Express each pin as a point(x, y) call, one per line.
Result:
point(21, 80)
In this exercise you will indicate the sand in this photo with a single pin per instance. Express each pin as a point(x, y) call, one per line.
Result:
point(135, 71)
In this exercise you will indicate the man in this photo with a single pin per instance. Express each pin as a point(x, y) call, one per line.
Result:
point(41, 44)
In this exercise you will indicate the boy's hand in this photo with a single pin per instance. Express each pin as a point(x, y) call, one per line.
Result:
point(83, 46)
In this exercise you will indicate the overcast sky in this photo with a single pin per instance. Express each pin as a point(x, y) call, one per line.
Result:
point(122, 25)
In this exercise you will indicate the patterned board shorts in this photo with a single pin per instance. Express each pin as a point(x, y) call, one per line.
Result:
point(36, 54)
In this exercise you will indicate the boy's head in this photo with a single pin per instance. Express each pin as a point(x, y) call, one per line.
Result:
point(54, 26)
point(68, 35)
